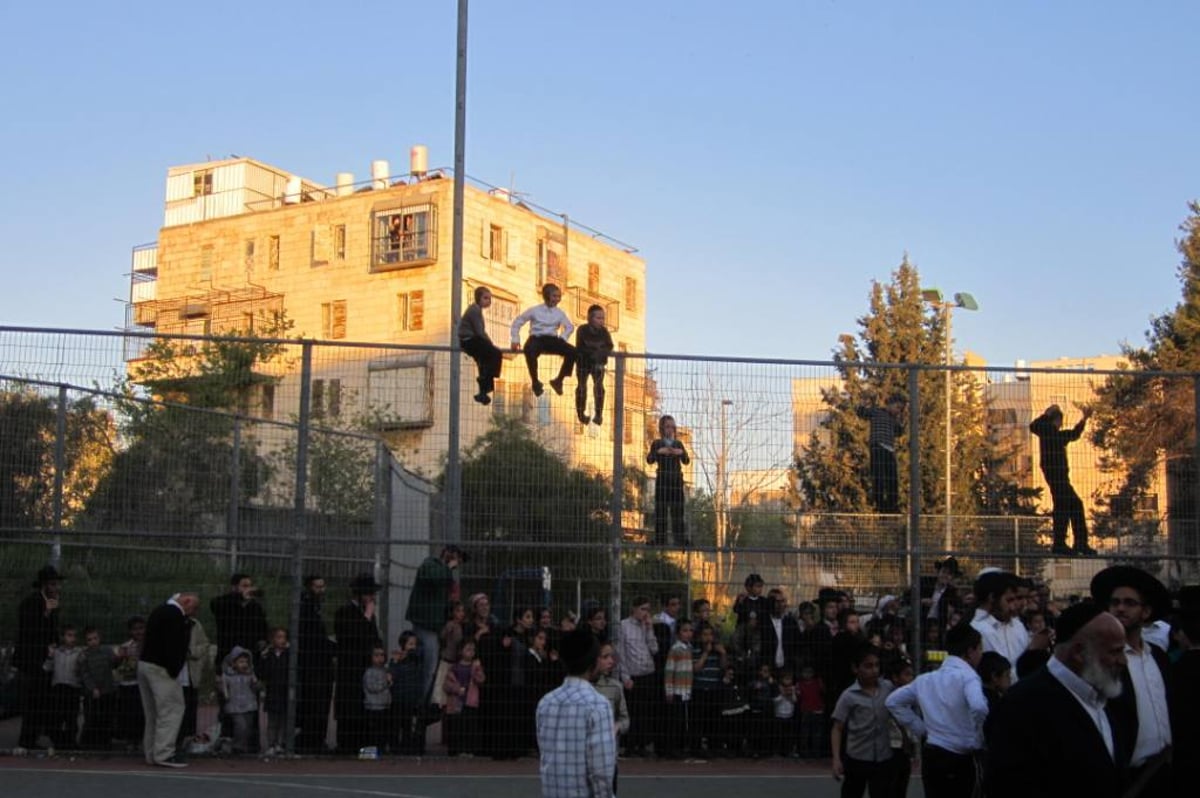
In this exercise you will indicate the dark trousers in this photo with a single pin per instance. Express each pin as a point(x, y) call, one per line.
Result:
point(312, 710)
point(785, 735)
point(98, 715)
point(812, 735)
point(1068, 511)
point(596, 373)
point(64, 717)
point(535, 345)
point(885, 480)
point(377, 728)
point(408, 731)
point(131, 718)
point(861, 776)
point(645, 709)
point(188, 727)
point(488, 360)
point(946, 774)
point(36, 711)
point(462, 732)
point(668, 508)
point(901, 773)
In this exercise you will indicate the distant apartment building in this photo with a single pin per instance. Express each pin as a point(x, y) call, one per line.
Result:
point(371, 262)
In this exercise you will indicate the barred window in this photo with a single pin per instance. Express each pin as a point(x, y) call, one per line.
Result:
point(405, 237)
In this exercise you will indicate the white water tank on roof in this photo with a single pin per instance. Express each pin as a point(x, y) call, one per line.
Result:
point(418, 160)
point(345, 183)
point(379, 174)
point(291, 192)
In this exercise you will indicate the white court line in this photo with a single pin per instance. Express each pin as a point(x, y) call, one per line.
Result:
point(429, 777)
point(223, 780)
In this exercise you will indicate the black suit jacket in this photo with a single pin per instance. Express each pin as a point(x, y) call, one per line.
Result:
point(167, 636)
point(37, 630)
point(792, 637)
point(1125, 707)
point(356, 635)
point(239, 623)
point(1043, 744)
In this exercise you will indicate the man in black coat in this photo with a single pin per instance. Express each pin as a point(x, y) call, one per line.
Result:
point(357, 636)
point(940, 598)
point(37, 631)
point(1185, 695)
point(781, 635)
point(241, 619)
point(164, 655)
point(314, 665)
point(1053, 734)
point(1068, 507)
point(1136, 598)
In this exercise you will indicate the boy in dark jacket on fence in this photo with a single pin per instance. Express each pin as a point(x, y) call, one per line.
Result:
point(593, 345)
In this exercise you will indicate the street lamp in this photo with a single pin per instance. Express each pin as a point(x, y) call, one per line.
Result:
point(966, 302)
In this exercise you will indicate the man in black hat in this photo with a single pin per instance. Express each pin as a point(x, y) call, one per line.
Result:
point(37, 631)
point(314, 669)
point(1137, 598)
point(1068, 507)
point(1053, 734)
point(435, 587)
point(357, 636)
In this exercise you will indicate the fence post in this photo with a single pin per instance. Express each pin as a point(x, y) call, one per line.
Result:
point(914, 514)
point(60, 468)
point(617, 504)
point(1016, 544)
point(299, 533)
point(383, 514)
point(235, 473)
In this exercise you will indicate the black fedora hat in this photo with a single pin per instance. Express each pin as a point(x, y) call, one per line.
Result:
point(950, 563)
point(47, 574)
point(364, 583)
point(1152, 591)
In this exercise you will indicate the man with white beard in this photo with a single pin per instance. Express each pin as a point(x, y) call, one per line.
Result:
point(1052, 734)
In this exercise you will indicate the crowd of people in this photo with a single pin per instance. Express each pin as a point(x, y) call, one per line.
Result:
point(1022, 686)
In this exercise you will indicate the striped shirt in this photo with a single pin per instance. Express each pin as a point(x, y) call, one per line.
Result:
point(677, 675)
point(576, 741)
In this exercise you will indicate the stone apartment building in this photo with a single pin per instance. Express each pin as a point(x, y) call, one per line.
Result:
point(371, 262)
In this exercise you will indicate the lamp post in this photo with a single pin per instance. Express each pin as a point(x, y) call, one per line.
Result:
point(967, 302)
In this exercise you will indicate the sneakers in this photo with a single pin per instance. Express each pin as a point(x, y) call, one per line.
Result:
point(584, 418)
point(173, 762)
point(538, 390)
point(557, 385)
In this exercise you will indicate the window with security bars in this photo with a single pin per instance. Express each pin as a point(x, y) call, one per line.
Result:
point(404, 237)
point(498, 319)
point(631, 294)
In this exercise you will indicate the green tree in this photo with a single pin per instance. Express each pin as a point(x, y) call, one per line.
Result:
point(1142, 418)
point(174, 472)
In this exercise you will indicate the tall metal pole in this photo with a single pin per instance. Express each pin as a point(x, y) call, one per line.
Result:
point(60, 473)
point(616, 507)
point(948, 541)
point(914, 514)
point(299, 535)
point(453, 458)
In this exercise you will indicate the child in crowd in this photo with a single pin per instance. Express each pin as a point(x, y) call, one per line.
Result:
point(811, 693)
point(995, 671)
point(677, 681)
point(99, 691)
point(461, 691)
point(668, 453)
point(610, 687)
point(449, 640)
point(861, 715)
point(62, 665)
point(545, 321)
point(593, 345)
point(473, 338)
point(708, 663)
point(238, 687)
point(377, 699)
point(405, 671)
point(751, 600)
point(273, 671)
point(785, 715)
point(735, 712)
point(900, 673)
point(130, 718)
point(762, 710)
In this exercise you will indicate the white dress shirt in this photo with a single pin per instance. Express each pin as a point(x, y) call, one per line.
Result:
point(1009, 639)
point(543, 320)
point(946, 707)
point(1154, 725)
point(1088, 697)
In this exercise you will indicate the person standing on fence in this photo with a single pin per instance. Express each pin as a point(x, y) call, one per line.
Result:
point(881, 443)
point(593, 345)
point(434, 588)
point(164, 655)
point(37, 633)
point(357, 639)
point(473, 339)
point(314, 667)
point(544, 323)
point(1068, 507)
point(575, 731)
point(668, 453)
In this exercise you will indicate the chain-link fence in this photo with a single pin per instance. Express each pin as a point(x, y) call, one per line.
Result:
point(140, 466)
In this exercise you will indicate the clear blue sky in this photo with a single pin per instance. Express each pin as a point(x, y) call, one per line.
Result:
point(768, 159)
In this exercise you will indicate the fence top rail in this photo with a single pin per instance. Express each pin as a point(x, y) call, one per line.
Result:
point(732, 359)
